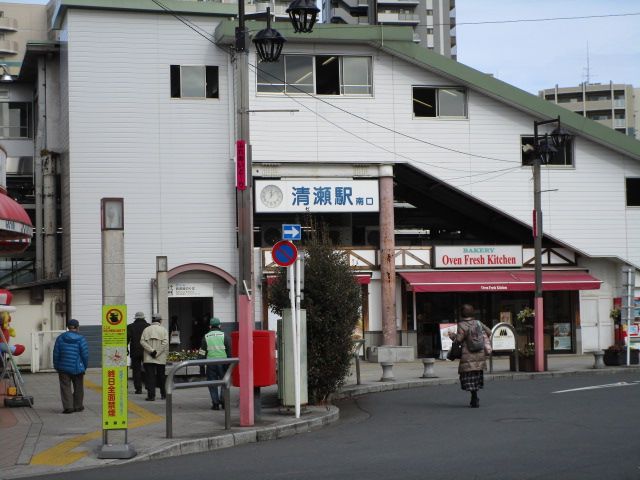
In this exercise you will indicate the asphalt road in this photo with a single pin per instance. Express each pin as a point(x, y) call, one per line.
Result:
point(522, 430)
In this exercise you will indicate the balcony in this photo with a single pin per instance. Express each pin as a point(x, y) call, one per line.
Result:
point(8, 24)
point(399, 2)
point(399, 18)
point(8, 47)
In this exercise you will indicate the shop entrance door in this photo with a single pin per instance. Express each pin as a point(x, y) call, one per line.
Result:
point(191, 317)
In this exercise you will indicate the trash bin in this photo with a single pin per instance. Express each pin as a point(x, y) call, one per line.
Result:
point(264, 358)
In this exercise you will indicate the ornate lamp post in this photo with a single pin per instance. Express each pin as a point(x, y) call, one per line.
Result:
point(268, 44)
point(544, 148)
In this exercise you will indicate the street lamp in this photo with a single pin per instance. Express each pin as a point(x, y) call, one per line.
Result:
point(545, 148)
point(268, 44)
point(6, 76)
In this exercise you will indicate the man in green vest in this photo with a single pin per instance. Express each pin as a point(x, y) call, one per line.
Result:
point(215, 344)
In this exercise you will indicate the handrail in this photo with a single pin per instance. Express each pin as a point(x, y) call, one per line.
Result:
point(225, 382)
point(357, 344)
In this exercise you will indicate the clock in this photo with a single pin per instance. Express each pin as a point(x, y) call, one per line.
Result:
point(271, 196)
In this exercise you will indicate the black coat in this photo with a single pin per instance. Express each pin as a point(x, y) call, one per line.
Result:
point(134, 332)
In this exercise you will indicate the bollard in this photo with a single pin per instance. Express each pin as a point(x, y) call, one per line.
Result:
point(387, 372)
point(598, 362)
point(428, 363)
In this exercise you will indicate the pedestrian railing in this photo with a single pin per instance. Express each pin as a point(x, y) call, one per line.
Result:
point(225, 382)
point(357, 344)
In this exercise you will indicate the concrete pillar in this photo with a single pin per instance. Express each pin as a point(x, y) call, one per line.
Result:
point(387, 257)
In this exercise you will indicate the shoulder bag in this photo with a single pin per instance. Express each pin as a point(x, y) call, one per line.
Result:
point(455, 352)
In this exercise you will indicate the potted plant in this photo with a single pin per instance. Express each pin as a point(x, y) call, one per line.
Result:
point(617, 355)
point(526, 358)
point(181, 355)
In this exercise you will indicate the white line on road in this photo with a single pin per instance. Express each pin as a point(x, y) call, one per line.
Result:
point(595, 387)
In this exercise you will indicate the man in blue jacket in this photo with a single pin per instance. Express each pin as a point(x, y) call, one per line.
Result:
point(70, 359)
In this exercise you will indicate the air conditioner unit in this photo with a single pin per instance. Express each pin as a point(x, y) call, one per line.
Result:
point(270, 234)
point(372, 236)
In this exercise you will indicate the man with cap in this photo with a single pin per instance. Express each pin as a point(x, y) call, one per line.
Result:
point(155, 342)
point(136, 352)
point(70, 359)
point(215, 344)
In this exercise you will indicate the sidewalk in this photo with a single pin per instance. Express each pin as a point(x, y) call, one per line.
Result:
point(42, 440)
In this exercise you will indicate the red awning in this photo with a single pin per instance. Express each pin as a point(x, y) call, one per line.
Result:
point(14, 221)
point(363, 279)
point(497, 281)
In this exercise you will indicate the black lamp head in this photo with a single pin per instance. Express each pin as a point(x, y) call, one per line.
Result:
point(303, 15)
point(269, 44)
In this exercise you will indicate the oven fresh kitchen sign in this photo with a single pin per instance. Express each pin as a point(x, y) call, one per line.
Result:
point(478, 256)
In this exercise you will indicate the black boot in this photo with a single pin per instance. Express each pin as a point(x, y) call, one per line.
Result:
point(475, 401)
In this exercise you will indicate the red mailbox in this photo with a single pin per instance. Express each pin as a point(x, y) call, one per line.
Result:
point(264, 358)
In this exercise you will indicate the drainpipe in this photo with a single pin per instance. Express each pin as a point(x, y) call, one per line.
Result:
point(49, 170)
point(40, 144)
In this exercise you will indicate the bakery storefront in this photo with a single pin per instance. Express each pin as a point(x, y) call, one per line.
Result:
point(499, 280)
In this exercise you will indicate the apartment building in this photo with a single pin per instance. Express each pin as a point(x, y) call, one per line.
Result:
point(433, 21)
point(615, 105)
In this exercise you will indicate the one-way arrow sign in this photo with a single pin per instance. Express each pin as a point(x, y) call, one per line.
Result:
point(291, 232)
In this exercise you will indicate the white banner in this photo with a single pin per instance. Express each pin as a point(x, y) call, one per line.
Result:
point(478, 256)
point(183, 290)
point(316, 195)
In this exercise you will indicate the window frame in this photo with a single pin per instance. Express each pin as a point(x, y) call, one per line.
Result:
point(27, 127)
point(569, 149)
point(437, 89)
point(627, 198)
point(282, 87)
point(176, 83)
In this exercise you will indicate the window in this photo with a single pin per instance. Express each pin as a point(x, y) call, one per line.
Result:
point(633, 191)
point(564, 159)
point(194, 81)
point(15, 120)
point(320, 74)
point(439, 102)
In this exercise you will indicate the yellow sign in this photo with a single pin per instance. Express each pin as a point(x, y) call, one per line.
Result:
point(114, 367)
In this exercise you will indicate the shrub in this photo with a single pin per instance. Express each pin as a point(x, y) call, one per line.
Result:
point(332, 302)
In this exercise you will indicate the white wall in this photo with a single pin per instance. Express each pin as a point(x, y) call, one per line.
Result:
point(168, 158)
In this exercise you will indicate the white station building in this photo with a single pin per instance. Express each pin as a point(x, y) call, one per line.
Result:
point(128, 101)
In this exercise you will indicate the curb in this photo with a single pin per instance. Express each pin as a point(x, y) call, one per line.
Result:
point(353, 391)
point(234, 439)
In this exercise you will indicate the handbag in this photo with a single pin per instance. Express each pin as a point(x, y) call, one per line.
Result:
point(174, 338)
point(487, 344)
point(455, 352)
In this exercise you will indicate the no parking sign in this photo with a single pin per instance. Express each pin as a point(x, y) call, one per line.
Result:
point(284, 253)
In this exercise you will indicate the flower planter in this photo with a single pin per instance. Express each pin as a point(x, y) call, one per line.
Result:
point(525, 363)
point(613, 358)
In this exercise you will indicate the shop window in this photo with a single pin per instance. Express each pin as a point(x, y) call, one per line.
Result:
point(194, 81)
point(439, 102)
point(633, 191)
point(562, 158)
point(15, 120)
point(320, 74)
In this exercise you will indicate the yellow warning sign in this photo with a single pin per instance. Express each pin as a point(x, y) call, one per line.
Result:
point(114, 367)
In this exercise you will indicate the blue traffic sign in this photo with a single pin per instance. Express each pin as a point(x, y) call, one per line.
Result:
point(291, 232)
point(284, 253)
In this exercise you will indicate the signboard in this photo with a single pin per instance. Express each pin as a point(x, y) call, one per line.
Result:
point(184, 290)
point(562, 336)
point(114, 367)
point(503, 338)
point(241, 165)
point(478, 256)
point(445, 328)
point(316, 195)
point(291, 232)
point(284, 253)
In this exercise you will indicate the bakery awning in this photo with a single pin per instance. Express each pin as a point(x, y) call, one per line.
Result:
point(14, 221)
point(497, 281)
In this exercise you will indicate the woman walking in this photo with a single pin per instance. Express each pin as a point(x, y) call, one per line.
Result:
point(472, 364)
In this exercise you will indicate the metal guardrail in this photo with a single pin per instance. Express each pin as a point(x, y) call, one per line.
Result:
point(225, 382)
point(356, 348)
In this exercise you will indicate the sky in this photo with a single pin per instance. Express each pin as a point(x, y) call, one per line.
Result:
point(538, 55)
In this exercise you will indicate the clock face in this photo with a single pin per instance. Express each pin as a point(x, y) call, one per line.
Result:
point(271, 196)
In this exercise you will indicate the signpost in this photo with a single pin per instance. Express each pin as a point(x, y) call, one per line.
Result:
point(285, 254)
point(114, 380)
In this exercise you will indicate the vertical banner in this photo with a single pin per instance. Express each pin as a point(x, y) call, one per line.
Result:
point(241, 165)
point(114, 367)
